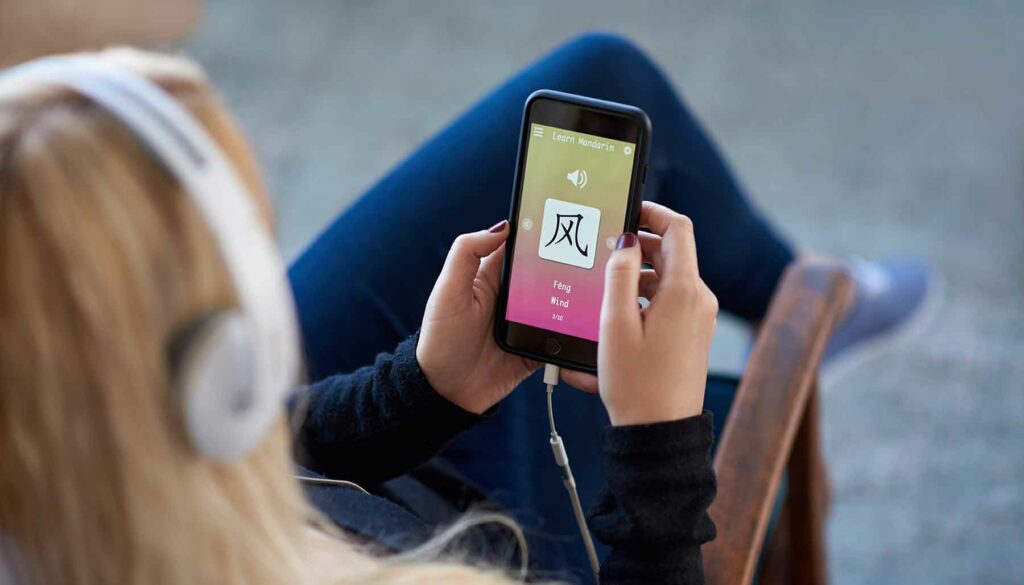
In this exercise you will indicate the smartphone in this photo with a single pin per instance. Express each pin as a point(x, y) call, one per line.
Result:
point(578, 185)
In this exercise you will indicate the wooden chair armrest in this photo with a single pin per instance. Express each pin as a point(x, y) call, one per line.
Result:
point(766, 414)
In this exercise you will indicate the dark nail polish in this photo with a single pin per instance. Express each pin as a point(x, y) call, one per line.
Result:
point(499, 227)
point(626, 240)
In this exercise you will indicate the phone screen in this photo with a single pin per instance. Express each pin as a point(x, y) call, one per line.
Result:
point(573, 205)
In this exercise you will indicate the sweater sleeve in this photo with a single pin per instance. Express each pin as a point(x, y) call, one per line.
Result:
point(377, 422)
point(654, 512)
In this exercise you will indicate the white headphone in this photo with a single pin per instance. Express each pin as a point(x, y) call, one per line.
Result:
point(233, 369)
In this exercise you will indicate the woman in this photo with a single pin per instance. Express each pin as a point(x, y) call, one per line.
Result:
point(373, 268)
point(102, 259)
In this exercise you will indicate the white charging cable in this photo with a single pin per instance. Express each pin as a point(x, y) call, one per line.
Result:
point(551, 375)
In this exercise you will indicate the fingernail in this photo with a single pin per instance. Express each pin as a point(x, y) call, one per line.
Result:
point(499, 227)
point(626, 240)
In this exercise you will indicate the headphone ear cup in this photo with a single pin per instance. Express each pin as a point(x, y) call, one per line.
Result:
point(214, 380)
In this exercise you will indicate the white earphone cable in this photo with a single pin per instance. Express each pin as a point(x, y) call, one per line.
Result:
point(453, 531)
point(330, 482)
point(551, 375)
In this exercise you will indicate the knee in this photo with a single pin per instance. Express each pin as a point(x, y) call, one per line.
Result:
point(605, 64)
point(606, 47)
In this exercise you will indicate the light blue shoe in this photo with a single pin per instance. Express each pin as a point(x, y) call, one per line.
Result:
point(893, 299)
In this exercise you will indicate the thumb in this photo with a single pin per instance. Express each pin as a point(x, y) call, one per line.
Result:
point(463, 262)
point(619, 315)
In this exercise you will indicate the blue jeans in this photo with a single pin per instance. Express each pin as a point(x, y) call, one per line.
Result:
point(362, 285)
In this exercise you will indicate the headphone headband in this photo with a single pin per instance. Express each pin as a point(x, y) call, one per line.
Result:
point(239, 370)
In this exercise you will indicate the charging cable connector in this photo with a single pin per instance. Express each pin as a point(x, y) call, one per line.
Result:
point(551, 377)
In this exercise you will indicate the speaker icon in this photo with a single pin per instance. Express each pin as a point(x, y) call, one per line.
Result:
point(578, 178)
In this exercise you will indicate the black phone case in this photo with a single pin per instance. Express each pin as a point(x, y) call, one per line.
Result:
point(637, 182)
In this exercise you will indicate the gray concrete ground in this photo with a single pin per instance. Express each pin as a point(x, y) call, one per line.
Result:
point(863, 128)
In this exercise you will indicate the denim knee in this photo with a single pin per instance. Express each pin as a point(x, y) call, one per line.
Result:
point(608, 64)
point(601, 46)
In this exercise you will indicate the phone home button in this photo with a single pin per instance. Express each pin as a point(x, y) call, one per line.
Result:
point(552, 346)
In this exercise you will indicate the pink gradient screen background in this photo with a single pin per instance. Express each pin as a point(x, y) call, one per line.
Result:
point(531, 284)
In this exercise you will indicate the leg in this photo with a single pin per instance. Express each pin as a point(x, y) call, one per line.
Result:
point(361, 286)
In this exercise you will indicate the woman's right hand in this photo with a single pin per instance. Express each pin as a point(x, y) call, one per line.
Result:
point(652, 364)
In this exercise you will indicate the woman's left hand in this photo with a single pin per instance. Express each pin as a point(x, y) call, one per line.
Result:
point(456, 350)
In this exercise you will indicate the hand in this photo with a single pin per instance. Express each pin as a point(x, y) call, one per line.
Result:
point(652, 364)
point(456, 350)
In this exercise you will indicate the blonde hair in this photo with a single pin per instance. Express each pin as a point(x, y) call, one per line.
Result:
point(102, 262)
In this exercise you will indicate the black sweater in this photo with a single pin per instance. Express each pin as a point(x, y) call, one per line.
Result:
point(384, 420)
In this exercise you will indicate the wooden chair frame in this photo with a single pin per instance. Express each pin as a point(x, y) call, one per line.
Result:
point(773, 428)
